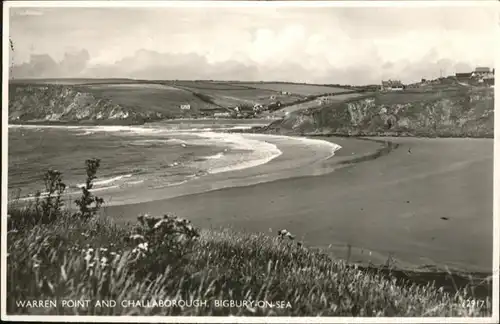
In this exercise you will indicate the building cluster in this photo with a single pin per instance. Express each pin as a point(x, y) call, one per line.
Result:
point(245, 110)
point(392, 85)
point(481, 75)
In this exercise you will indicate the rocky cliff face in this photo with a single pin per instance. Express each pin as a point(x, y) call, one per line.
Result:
point(457, 113)
point(56, 103)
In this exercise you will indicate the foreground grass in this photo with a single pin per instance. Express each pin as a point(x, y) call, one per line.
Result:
point(74, 259)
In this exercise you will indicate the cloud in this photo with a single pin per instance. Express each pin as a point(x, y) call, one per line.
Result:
point(148, 64)
point(44, 66)
point(74, 62)
point(329, 45)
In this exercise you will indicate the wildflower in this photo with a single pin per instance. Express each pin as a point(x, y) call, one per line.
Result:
point(284, 233)
point(104, 260)
point(103, 249)
point(143, 246)
point(88, 257)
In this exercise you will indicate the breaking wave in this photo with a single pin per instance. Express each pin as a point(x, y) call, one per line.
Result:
point(162, 156)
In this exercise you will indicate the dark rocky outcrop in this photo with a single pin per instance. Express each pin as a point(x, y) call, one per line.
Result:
point(459, 112)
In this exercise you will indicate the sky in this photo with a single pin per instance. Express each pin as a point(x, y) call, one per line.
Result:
point(337, 45)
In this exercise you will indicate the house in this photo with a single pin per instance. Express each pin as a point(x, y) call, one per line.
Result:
point(392, 85)
point(481, 72)
point(272, 97)
point(237, 109)
point(186, 107)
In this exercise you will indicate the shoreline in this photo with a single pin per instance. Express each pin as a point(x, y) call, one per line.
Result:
point(344, 161)
point(251, 130)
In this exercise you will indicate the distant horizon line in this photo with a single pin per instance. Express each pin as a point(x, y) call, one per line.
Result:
point(212, 80)
point(195, 80)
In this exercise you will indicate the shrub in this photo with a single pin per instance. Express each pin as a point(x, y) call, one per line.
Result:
point(44, 210)
point(47, 208)
point(87, 199)
point(51, 205)
point(160, 243)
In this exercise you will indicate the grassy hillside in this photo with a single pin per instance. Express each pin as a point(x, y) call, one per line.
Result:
point(231, 95)
point(137, 101)
point(458, 112)
point(96, 260)
point(156, 97)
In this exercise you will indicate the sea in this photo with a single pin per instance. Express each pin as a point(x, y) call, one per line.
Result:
point(154, 161)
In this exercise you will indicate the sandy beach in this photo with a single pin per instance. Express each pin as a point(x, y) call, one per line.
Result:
point(416, 204)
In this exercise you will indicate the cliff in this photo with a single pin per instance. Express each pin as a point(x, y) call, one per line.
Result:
point(68, 104)
point(459, 112)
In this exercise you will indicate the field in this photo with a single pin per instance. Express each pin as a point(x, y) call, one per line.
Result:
point(230, 95)
point(314, 103)
point(419, 95)
point(298, 89)
point(206, 85)
point(151, 97)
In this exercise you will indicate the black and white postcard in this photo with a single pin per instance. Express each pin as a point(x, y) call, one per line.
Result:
point(250, 161)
